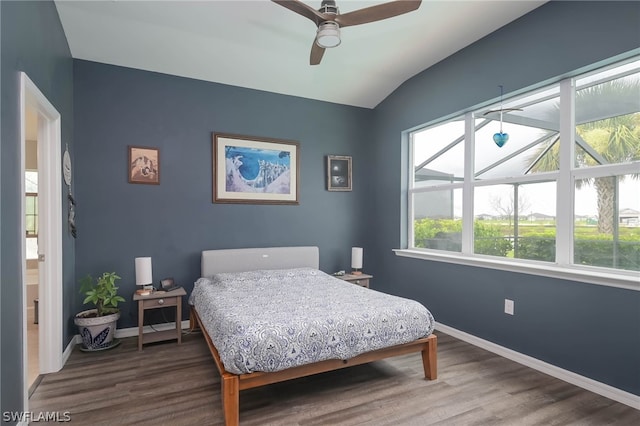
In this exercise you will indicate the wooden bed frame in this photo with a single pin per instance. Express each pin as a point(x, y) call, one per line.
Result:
point(232, 384)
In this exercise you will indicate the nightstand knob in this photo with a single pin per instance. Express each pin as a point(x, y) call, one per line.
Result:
point(161, 302)
point(358, 282)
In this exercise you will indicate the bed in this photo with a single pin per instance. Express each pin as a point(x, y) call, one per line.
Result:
point(263, 322)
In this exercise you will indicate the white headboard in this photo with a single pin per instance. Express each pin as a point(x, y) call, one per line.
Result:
point(251, 259)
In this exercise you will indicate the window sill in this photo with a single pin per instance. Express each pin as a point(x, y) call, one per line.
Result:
point(629, 280)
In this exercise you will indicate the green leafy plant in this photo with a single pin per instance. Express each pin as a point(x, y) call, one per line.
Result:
point(102, 292)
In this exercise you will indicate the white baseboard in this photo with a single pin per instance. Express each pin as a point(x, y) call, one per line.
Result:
point(594, 386)
point(67, 351)
point(133, 331)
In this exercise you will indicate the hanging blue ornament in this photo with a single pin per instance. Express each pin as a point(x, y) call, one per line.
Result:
point(500, 138)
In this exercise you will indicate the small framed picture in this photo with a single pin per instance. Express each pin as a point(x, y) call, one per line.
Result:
point(144, 165)
point(338, 173)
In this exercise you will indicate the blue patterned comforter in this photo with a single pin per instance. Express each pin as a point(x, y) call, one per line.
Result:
point(272, 320)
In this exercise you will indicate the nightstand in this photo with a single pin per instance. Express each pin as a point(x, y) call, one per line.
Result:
point(362, 280)
point(155, 300)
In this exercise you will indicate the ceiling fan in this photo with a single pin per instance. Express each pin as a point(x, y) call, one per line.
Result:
point(329, 20)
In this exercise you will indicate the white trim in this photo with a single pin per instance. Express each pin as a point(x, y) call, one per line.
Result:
point(50, 288)
point(621, 279)
point(133, 331)
point(591, 385)
point(468, 190)
point(410, 189)
point(23, 243)
point(606, 170)
point(565, 192)
point(69, 349)
point(50, 235)
point(540, 177)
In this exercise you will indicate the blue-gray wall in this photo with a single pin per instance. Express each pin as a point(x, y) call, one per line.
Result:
point(591, 330)
point(32, 41)
point(174, 221)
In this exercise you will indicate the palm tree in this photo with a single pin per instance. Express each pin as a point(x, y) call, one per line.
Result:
point(614, 140)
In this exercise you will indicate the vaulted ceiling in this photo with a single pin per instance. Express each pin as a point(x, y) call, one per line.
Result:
point(262, 45)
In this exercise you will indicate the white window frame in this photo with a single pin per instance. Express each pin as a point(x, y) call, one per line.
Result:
point(563, 267)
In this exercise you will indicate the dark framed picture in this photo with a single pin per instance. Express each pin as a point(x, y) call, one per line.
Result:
point(144, 165)
point(338, 173)
point(255, 170)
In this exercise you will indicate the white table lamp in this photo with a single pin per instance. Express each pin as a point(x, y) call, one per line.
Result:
point(356, 260)
point(144, 275)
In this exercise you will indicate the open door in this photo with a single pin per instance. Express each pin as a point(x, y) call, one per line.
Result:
point(50, 319)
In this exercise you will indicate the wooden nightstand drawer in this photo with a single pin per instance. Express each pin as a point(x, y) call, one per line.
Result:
point(160, 303)
point(362, 279)
point(361, 282)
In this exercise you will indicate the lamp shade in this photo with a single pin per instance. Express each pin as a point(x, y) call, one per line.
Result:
point(356, 257)
point(144, 274)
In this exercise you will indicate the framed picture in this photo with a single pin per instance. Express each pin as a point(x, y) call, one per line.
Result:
point(338, 173)
point(255, 170)
point(144, 165)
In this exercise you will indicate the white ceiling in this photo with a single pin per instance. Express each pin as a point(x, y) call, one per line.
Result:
point(262, 45)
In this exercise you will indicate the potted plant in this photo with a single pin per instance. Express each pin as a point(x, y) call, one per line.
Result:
point(97, 326)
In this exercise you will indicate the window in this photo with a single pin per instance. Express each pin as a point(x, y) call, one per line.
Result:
point(550, 195)
point(521, 223)
point(438, 212)
point(438, 222)
point(31, 213)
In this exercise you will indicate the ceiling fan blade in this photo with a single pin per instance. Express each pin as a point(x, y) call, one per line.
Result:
point(377, 12)
point(303, 9)
point(316, 53)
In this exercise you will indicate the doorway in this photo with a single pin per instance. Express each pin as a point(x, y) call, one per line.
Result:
point(49, 234)
point(32, 278)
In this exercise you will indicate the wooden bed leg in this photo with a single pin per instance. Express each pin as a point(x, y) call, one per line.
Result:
point(230, 399)
point(193, 321)
point(430, 358)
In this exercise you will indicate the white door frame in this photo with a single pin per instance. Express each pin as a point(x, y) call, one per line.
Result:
point(49, 232)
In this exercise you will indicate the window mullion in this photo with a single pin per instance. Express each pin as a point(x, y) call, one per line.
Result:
point(565, 186)
point(467, 186)
point(411, 185)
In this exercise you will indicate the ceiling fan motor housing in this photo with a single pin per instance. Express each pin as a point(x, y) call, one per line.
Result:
point(328, 6)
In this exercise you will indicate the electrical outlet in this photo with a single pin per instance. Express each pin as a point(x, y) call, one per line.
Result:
point(508, 306)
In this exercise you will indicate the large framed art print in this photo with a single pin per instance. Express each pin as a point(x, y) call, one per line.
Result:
point(255, 170)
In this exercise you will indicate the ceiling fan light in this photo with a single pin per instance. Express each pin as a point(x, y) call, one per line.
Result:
point(328, 35)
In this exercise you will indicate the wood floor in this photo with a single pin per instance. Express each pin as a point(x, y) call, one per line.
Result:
point(167, 384)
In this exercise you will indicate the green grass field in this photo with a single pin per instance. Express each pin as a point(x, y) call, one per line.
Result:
point(582, 230)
